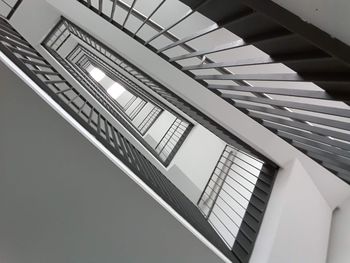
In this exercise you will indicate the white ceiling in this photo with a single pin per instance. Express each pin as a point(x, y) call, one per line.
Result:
point(332, 16)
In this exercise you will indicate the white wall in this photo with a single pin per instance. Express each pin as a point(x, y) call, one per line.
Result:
point(197, 157)
point(339, 242)
point(297, 221)
point(67, 47)
point(330, 16)
point(159, 128)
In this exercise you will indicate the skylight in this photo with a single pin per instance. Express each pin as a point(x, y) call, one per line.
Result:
point(115, 90)
point(97, 74)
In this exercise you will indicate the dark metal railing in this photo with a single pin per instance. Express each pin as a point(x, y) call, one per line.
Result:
point(129, 103)
point(136, 108)
point(122, 64)
point(27, 59)
point(304, 96)
point(234, 199)
point(96, 91)
point(172, 139)
point(149, 120)
point(9, 7)
point(80, 58)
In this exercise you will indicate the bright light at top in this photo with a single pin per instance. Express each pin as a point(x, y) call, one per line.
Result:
point(115, 90)
point(97, 74)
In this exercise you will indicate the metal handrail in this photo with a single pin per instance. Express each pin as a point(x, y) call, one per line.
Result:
point(296, 113)
point(77, 62)
point(234, 199)
point(161, 90)
point(9, 8)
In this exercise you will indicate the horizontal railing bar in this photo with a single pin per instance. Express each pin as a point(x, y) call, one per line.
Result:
point(241, 184)
point(312, 136)
point(6, 4)
point(288, 58)
point(332, 166)
point(12, 35)
point(142, 17)
point(6, 26)
point(59, 35)
point(54, 81)
point(300, 125)
point(230, 207)
point(212, 190)
point(243, 153)
point(340, 160)
point(31, 55)
point(32, 62)
point(236, 44)
point(222, 237)
point(290, 104)
point(64, 90)
point(315, 144)
point(222, 223)
point(337, 166)
point(279, 77)
point(149, 17)
point(197, 34)
point(344, 176)
point(314, 94)
point(294, 115)
point(233, 170)
point(189, 13)
point(15, 43)
point(231, 187)
point(208, 30)
point(37, 71)
point(64, 41)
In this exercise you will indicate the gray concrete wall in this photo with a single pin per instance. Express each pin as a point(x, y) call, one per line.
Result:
point(62, 200)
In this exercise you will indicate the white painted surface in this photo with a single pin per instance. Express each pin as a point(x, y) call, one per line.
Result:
point(330, 16)
point(159, 128)
point(35, 25)
point(339, 242)
point(297, 221)
point(67, 47)
point(198, 156)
